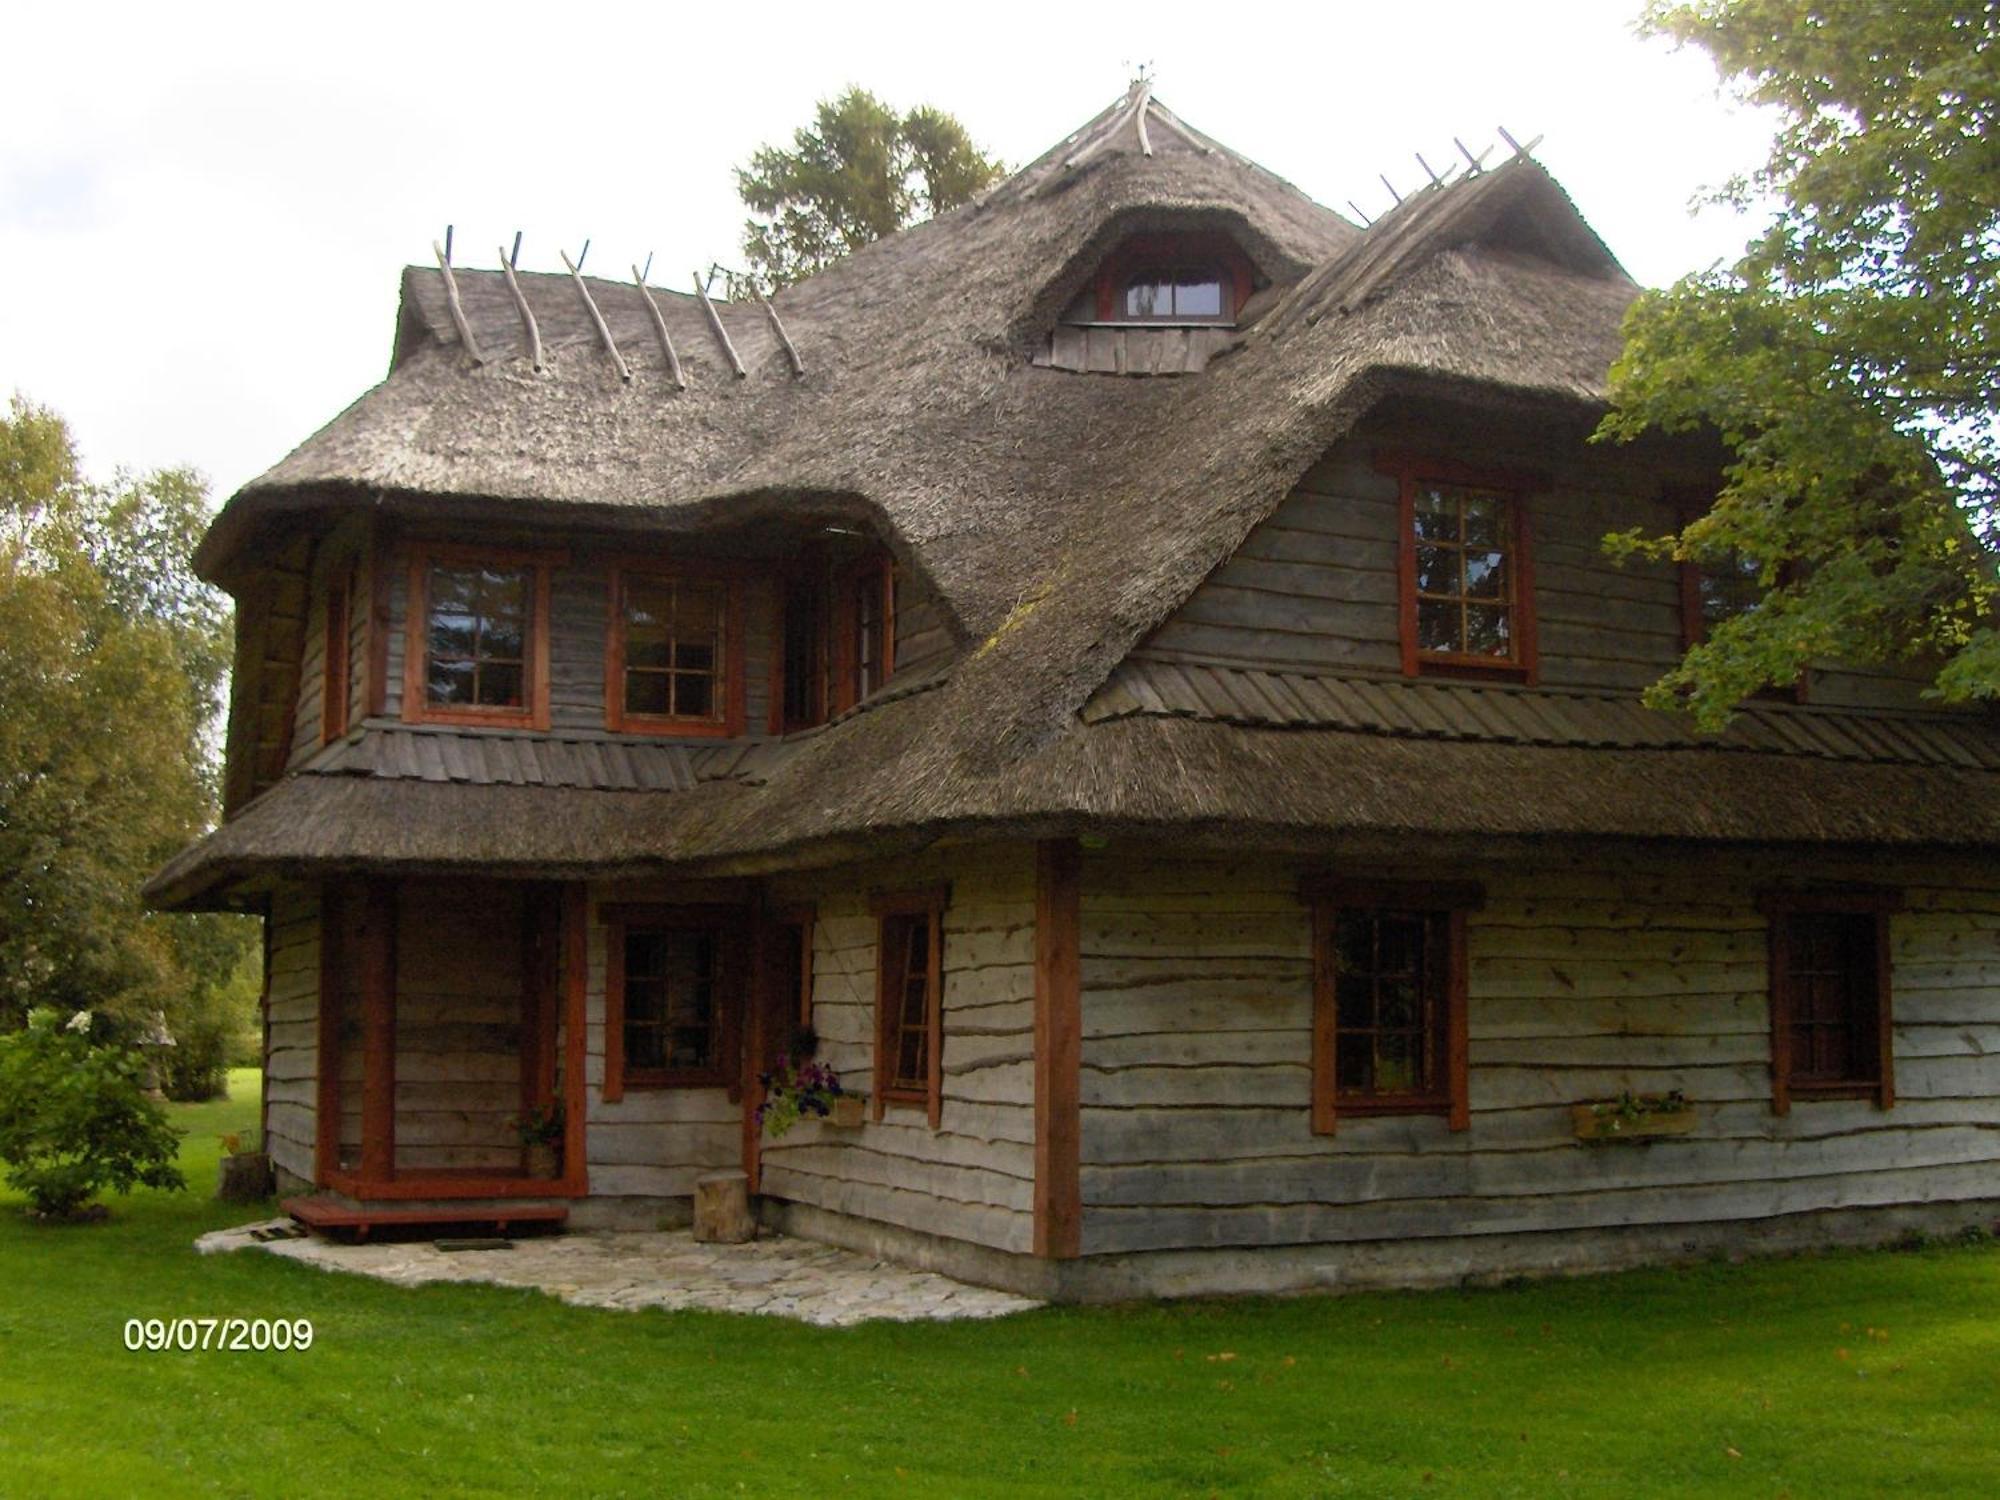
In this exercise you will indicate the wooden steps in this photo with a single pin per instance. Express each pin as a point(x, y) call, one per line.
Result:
point(330, 1215)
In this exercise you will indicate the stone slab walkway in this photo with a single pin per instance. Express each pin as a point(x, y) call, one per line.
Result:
point(773, 1275)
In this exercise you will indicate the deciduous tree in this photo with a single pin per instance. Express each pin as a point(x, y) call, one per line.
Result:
point(858, 172)
point(1850, 360)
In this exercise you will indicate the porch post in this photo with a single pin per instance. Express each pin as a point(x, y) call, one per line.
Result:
point(378, 1032)
point(576, 994)
point(1058, 1049)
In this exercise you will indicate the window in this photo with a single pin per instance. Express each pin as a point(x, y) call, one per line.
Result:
point(479, 654)
point(1831, 1031)
point(1172, 279)
point(1467, 590)
point(1184, 294)
point(909, 982)
point(864, 630)
point(1719, 590)
point(672, 993)
point(802, 693)
point(336, 677)
point(1388, 999)
point(673, 662)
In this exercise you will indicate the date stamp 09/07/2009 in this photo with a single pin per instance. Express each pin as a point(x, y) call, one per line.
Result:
point(225, 1335)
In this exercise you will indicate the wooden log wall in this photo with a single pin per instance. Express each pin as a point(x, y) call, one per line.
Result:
point(461, 966)
point(1313, 588)
point(291, 1067)
point(972, 1178)
point(338, 557)
point(922, 641)
point(1588, 977)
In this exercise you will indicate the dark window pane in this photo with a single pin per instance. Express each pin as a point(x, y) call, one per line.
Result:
point(1437, 626)
point(1484, 516)
point(451, 634)
point(1354, 942)
point(1402, 943)
point(1437, 514)
point(1437, 569)
point(694, 697)
point(1397, 1003)
point(499, 686)
point(449, 682)
point(1398, 1062)
point(501, 640)
point(453, 591)
point(694, 656)
point(646, 693)
point(644, 1047)
point(1354, 1062)
point(1486, 575)
point(1488, 630)
point(1354, 1001)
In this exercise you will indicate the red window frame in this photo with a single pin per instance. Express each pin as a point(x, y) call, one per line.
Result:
point(1868, 909)
point(1411, 471)
point(873, 576)
point(417, 707)
point(1442, 906)
point(893, 912)
point(730, 926)
point(729, 686)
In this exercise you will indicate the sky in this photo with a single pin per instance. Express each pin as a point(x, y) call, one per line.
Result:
point(205, 208)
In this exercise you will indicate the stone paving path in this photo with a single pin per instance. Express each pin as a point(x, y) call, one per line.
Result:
point(772, 1275)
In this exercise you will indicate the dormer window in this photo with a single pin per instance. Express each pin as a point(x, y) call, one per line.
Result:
point(1182, 294)
point(1167, 280)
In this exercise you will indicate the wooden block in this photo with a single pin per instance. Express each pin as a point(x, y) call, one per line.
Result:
point(722, 1209)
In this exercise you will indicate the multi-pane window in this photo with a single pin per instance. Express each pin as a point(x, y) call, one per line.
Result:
point(1465, 573)
point(870, 610)
point(1716, 592)
point(1388, 998)
point(673, 997)
point(1182, 294)
point(476, 636)
point(675, 634)
point(804, 695)
point(671, 977)
point(909, 979)
point(1830, 1022)
point(1389, 1006)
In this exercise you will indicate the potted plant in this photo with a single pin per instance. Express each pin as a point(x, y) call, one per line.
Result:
point(1633, 1117)
point(244, 1173)
point(541, 1132)
point(798, 1089)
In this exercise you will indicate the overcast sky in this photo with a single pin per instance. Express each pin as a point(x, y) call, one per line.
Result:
point(204, 209)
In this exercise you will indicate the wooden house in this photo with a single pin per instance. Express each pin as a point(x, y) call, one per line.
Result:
point(1131, 666)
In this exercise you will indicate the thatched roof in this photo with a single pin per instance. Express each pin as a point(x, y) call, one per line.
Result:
point(1059, 517)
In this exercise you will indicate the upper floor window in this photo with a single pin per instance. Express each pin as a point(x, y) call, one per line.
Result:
point(1170, 279)
point(336, 675)
point(839, 639)
point(1182, 294)
point(1389, 999)
point(871, 595)
point(1831, 1033)
point(673, 663)
point(1467, 596)
point(480, 655)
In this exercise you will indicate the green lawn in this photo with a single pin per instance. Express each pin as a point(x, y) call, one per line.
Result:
point(1844, 1374)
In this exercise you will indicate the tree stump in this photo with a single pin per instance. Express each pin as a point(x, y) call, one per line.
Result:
point(244, 1178)
point(722, 1209)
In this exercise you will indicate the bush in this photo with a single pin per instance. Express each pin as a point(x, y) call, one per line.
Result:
point(75, 1119)
point(196, 1068)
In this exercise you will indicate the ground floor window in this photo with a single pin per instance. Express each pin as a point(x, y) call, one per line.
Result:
point(1831, 1030)
point(672, 998)
point(909, 1004)
point(1388, 999)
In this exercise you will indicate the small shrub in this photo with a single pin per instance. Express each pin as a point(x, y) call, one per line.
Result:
point(75, 1119)
point(196, 1068)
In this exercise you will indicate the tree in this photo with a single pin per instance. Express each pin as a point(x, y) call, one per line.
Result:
point(1850, 360)
point(860, 171)
point(112, 659)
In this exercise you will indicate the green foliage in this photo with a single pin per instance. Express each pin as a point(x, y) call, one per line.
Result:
point(75, 1119)
point(112, 660)
point(1850, 359)
point(858, 172)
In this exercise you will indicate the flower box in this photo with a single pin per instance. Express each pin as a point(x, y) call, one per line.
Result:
point(848, 1111)
point(1629, 1119)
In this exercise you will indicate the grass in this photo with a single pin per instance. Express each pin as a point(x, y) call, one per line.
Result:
point(1864, 1374)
